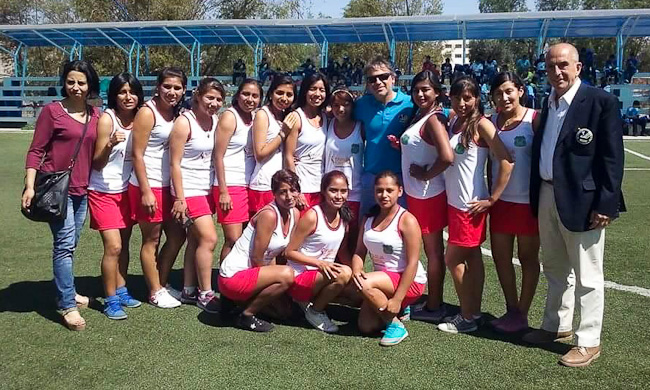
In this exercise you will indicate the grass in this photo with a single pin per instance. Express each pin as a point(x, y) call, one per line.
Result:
point(184, 348)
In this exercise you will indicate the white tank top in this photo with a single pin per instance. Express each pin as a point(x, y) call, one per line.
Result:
point(309, 153)
point(415, 150)
point(322, 244)
point(264, 171)
point(238, 161)
point(156, 154)
point(464, 179)
point(239, 258)
point(519, 142)
point(196, 164)
point(386, 247)
point(114, 177)
point(346, 155)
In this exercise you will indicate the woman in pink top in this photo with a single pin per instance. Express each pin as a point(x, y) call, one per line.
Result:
point(59, 129)
point(149, 191)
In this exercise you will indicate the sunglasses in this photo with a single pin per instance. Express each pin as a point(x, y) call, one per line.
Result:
point(381, 77)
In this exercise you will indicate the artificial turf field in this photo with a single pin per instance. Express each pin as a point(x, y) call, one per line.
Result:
point(185, 348)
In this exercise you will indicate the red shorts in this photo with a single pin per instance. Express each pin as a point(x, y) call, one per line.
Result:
point(163, 199)
point(198, 206)
point(466, 230)
point(414, 292)
point(241, 286)
point(109, 211)
point(431, 213)
point(513, 218)
point(303, 284)
point(239, 211)
point(312, 200)
point(355, 207)
point(258, 199)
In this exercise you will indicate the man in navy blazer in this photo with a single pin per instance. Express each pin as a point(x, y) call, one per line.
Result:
point(575, 190)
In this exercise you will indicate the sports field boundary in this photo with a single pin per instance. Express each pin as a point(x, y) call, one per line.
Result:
point(640, 155)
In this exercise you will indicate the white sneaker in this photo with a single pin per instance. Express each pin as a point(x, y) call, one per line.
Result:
point(458, 325)
point(176, 294)
point(320, 320)
point(163, 299)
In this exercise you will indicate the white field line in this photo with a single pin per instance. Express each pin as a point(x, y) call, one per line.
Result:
point(15, 131)
point(611, 285)
point(637, 169)
point(643, 156)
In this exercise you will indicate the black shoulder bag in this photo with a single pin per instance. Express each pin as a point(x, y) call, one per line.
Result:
point(50, 201)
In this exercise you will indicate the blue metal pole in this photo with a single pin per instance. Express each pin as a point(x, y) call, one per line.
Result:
point(137, 63)
point(198, 59)
point(192, 64)
point(71, 54)
point(619, 50)
point(80, 49)
point(392, 51)
point(324, 53)
point(133, 45)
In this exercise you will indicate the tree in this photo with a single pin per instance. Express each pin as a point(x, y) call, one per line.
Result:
point(492, 6)
point(557, 5)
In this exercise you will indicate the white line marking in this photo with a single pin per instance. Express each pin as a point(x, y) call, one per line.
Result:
point(643, 156)
point(637, 169)
point(611, 285)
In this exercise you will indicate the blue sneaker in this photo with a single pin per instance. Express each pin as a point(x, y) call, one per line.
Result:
point(126, 299)
point(405, 314)
point(395, 332)
point(113, 309)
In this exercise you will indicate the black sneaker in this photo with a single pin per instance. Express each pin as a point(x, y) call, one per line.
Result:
point(253, 324)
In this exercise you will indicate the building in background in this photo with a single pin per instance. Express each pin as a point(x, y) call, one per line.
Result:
point(454, 50)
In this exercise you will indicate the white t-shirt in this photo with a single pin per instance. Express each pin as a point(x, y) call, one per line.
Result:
point(239, 257)
point(464, 179)
point(156, 154)
point(238, 161)
point(346, 155)
point(114, 177)
point(309, 153)
point(416, 150)
point(322, 244)
point(264, 171)
point(519, 142)
point(386, 248)
point(196, 164)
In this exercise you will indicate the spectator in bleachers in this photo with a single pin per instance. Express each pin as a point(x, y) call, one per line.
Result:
point(238, 72)
point(444, 99)
point(631, 67)
point(436, 71)
point(346, 70)
point(523, 64)
point(540, 66)
point(611, 70)
point(490, 70)
point(446, 70)
point(477, 70)
point(634, 117)
point(357, 74)
point(264, 70)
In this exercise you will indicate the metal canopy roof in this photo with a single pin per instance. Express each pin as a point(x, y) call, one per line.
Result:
point(573, 24)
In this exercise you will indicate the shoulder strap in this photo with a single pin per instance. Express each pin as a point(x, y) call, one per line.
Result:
point(83, 135)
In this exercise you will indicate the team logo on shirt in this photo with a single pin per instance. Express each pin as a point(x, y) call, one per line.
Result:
point(584, 136)
point(520, 141)
point(403, 118)
point(388, 249)
point(459, 149)
point(355, 148)
point(405, 139)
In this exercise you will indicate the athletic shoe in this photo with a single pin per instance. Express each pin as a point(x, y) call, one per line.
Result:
point(515, 323)
point(426, 315)
point(210, 303)
point(253, 324)
point(176, 294)
point(458, 325)
point(302, 305)
point(320, 320)
point(189, 299)
point(395, 332)
point(228, 306)
point(405, 314)
point(163, 299)
point(126, 299)
point(499, 320)
point(113, 309)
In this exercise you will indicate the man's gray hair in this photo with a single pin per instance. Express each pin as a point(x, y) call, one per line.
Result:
point(377, 62)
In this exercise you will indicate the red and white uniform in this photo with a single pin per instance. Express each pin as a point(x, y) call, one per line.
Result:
point(156, 162)
point(386, 249)
point(238, 161)
point(107, 190)
point(196, 167)
point(346, 155)
point(426, 199)
point(239, 257)
point(156, 155)
point(465, 182)
point(264, 171)
point(511, 214)
point(309, 153)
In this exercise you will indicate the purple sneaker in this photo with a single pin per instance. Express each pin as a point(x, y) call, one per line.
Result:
point(516, 322)
point(189, 299)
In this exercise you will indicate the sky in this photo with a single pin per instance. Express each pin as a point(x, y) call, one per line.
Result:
point(334, 8)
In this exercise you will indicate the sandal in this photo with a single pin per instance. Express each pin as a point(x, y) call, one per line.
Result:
point(82, 301)
point(74, 321)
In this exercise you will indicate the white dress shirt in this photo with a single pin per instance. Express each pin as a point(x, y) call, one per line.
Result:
point(554, 121)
